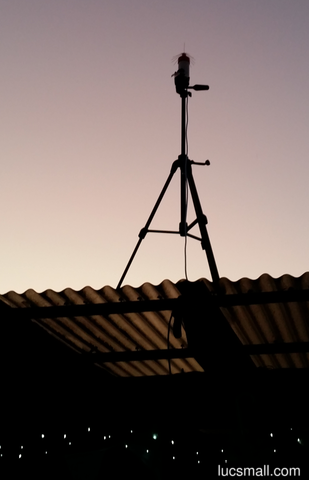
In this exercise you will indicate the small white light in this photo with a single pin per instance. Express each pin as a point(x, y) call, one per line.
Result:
point(147, 451)
point(198, 461)
point(104, 437)
point(42, 435)
point(172, 442)
point(88, 429)
point(131, 431)
point(45, 453)
point(65, 435)
point(225, 461)
point(196, 453)
point(222, 451)
point(275, 451)
point(21, 447)
point(271, 435)
point(291, 428)
point(155, 436)
point(69, 443)
point(109, 436)
point(299, 440)
point(173, 458)
point(126, 446)
point(19, 456)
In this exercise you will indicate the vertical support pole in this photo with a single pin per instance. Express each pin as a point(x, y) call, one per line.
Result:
point(183, 169)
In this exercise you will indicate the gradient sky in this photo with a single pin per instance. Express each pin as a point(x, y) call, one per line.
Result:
point(90, 125)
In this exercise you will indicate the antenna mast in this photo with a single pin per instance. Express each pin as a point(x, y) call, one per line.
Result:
point(182, 79)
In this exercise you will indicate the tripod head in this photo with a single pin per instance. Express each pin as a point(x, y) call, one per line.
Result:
point(182, 77)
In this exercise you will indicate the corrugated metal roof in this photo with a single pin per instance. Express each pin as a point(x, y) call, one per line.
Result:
point(113, 332)
point(259, 323)
point(271, 323)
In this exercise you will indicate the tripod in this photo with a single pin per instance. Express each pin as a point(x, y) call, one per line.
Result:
point(186, 180)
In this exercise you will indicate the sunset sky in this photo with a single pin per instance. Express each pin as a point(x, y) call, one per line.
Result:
point(90, 126)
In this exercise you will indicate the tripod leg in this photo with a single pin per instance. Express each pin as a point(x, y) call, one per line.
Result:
point(129, 262)
point(144, 231)
point(202, 221)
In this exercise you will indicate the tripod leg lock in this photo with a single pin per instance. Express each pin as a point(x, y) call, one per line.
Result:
point(142, 234)
point(203, 245)
point(204, 219)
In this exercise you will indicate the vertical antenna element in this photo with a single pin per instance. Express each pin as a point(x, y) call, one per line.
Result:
point(184, 64)
point(182, 76)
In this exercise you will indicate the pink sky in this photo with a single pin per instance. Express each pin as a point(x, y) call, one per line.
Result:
point(90, 125)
